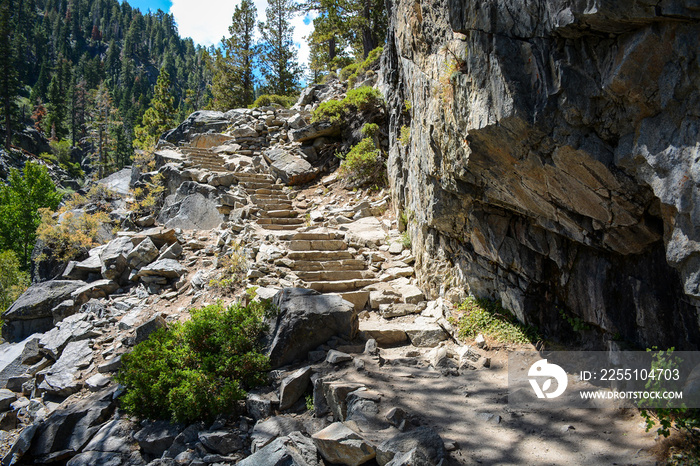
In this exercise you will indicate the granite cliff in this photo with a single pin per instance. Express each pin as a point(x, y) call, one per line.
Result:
point(553, 159)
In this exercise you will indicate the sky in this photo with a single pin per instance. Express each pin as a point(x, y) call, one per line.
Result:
point(207, 21)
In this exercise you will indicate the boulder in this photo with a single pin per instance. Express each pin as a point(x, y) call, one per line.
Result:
point(62, 378)
point(307, 319)
point(157, 436)
point(114, 436)
point(117, 182)
point(143, 254)
point(32, 312)
point(293, 449)
point(340, 445)
point(202, 121)
point(90, 458)
point(425, 440)
point(12, 360)
point(290, 166)
point(69, 428)
point(222, 442)
point(313, 131)
point(113, 257)
point(144, 330)
point(191, 212)
point(168, 268)
point(7, 397)
point(73, 328)
point(244, 131)
point(265, 432)
point(294, 386)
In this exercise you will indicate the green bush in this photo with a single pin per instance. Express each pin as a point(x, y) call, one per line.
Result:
point(481, 315)
point(13, 281)
point(372, 58)
point(198, 369)
point(349, 70)
point(266, 100)
point(364, 164)
point(331, 110)
point(369, 130)
point(364, 98)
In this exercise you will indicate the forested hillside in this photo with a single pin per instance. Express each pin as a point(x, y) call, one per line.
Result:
point(84, 71)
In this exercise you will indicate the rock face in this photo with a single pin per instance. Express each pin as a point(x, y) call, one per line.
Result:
point(202, 121)
point(554, 162)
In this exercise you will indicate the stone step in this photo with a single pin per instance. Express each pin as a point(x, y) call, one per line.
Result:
point(254, 177)
point(334, 275)
point(315, 265)
point(319, 255)
point(280, 227)
point(260, 185)
point(340, 285)
point(280, 221)
point(283, 213)
point(318, 235)
point(273, 204)
point(268, 191)
point(317, 245)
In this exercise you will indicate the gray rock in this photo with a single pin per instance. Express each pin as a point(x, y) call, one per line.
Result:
point(307, 319)
point(144, 330)
point(7, 397)
point(199, 122)
point(31, 313)
point(157, 436)
point(90, 458)
point(258, 406)
point(143, 254)
point(335, 394)
point(290, 166)
point(73, 328)
point(115, 436)
point(424, 440)
point(11, 360)
point(168, 268)
point(71, 427)
point(336, 357)
point(340, 445)
point(426, 335)
point(174, 251)
point(244, 131)
point(62, 378)
point(21, 445)
point(191, 212)
point(222, 442)
point(113, 258)
point(97, 382)
point(265, 432)
point(293, 449)
point(294, 386)
point(111, 365)
point(313, 131)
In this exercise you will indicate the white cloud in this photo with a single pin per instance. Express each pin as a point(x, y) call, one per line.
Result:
point(207, 21)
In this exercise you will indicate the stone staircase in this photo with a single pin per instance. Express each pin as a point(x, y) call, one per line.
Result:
point(325, 263)
point(203, 158)
point(276, 210)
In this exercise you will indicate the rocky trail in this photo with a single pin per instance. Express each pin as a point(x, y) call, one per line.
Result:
point(357, 338)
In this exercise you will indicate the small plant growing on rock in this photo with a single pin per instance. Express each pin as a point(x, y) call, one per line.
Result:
point(405, 135)
point(364, 164)
point(148, 199)
point(481, 315)
point(234, 266)
point(266, 100)
point(198, 369)
point(406, 240)
point(363, 99)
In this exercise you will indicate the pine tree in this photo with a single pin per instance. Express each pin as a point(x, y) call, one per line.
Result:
point(8, 73)
point(233, 85)
point(160, 115)
point(279, 55)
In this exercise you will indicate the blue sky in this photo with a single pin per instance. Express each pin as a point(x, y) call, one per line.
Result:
point(207, 21)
